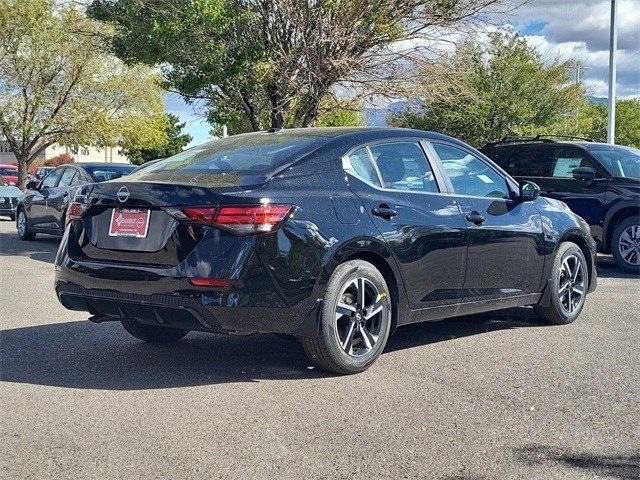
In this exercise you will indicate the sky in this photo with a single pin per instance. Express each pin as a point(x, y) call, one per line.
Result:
point(564, 29)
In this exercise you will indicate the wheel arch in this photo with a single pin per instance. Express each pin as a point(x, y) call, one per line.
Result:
point(380, 257)
point(616, 216)
point(583, 244)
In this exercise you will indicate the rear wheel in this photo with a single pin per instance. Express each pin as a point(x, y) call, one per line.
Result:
point(568, 286)
point(625, 244)
point(152, 333)
point(355, 320)
point(23, 226)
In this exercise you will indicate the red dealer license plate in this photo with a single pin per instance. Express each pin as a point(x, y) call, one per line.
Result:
point(129, 222)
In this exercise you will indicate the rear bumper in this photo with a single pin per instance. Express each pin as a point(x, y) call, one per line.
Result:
point(214, 312)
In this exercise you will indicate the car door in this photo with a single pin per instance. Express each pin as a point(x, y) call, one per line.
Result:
point(38, 208)
point(59, 197)
point(505, 253)
point(586, 198)
point(416, 218)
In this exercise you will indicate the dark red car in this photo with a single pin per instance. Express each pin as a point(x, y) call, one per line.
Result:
point(9, 173)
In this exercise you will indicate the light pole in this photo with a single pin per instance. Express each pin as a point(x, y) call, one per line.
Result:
point(613, 46)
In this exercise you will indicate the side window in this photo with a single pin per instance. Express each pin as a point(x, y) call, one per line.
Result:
point(359, 163)
point(51, 179)
point(566, 159)
point(68, 177)
point(522, 161)
point(469, 175)
point(403, 166)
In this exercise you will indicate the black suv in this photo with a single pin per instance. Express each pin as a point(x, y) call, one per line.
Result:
point(599, 181)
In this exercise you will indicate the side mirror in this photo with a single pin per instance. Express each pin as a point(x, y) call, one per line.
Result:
point(32, 185)
point(584, 173)
point(529, 191)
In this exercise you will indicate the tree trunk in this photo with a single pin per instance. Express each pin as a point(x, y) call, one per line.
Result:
point(23, 170)
point(277, 116)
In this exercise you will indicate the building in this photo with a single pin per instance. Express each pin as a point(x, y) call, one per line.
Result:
point(80, 154)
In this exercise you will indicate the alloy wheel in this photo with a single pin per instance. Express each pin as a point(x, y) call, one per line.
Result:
point(22, 223)
point(571, 285)
point(629, 245)
point(359, 316)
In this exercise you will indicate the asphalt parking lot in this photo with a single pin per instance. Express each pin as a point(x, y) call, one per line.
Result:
point(496, 396)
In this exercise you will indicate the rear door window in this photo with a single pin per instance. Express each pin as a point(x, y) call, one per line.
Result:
point(68, 177)
point(403, 166)
point(522, 161)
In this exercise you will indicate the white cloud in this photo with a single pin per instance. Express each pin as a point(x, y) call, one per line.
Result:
point(579, 30)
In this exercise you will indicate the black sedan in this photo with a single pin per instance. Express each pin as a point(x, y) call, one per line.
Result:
point(43, 207)
point(9, 195)
point(334, 236)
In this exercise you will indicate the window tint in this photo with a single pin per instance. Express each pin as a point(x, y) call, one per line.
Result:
point(68, 177)
point(403, 166)
point(470, 175)
point(104, 173)
point(565, 160)
point(9, 171)
point(51, 179)
point(619, 161)
point(359, 163)
point(233, 157)
point(523, 161)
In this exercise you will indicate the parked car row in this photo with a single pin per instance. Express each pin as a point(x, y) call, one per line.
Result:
point(43, 207)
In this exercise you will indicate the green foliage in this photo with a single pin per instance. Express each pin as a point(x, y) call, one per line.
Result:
point(270, 63)
point(627, 122)
point(504, 88)
point(176, 141)
point(57, 85)
point(341, 117)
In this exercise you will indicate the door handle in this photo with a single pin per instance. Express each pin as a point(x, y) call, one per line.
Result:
point(476, 218)
point(384, 211)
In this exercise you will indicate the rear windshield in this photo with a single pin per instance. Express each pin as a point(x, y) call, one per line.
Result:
point(227, 160)
point(8, 171)
point(103, 173)
point(619, 161)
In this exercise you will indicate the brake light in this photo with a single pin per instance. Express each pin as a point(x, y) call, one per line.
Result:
point(245, 220)
point(75, 210)
point(238, 219)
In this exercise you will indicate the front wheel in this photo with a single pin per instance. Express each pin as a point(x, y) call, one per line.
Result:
point(152, 333)
point(625, 244)
point(23, 226)
point(568, 285)
point(355, 320)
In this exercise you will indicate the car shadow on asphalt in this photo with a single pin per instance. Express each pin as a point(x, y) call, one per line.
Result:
point(43, 248)
point(608, 268)
point(449, 329)
point(88, 356)
point(625, 466)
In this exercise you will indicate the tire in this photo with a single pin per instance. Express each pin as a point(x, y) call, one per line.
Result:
point(152, 333)
point(353, 331)
point(625, 244)
point(22, 224)
point(568, 285)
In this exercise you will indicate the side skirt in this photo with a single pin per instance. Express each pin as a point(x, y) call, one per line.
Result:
point(470, 308)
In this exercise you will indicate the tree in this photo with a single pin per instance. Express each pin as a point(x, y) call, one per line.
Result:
point(627, 122)
point(58, 86)
point(176, 141)
point(273, 62)
point(503, 88)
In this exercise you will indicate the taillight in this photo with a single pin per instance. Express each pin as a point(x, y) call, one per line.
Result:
point(75, 210)
point(245, 220)
point(238, 219)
